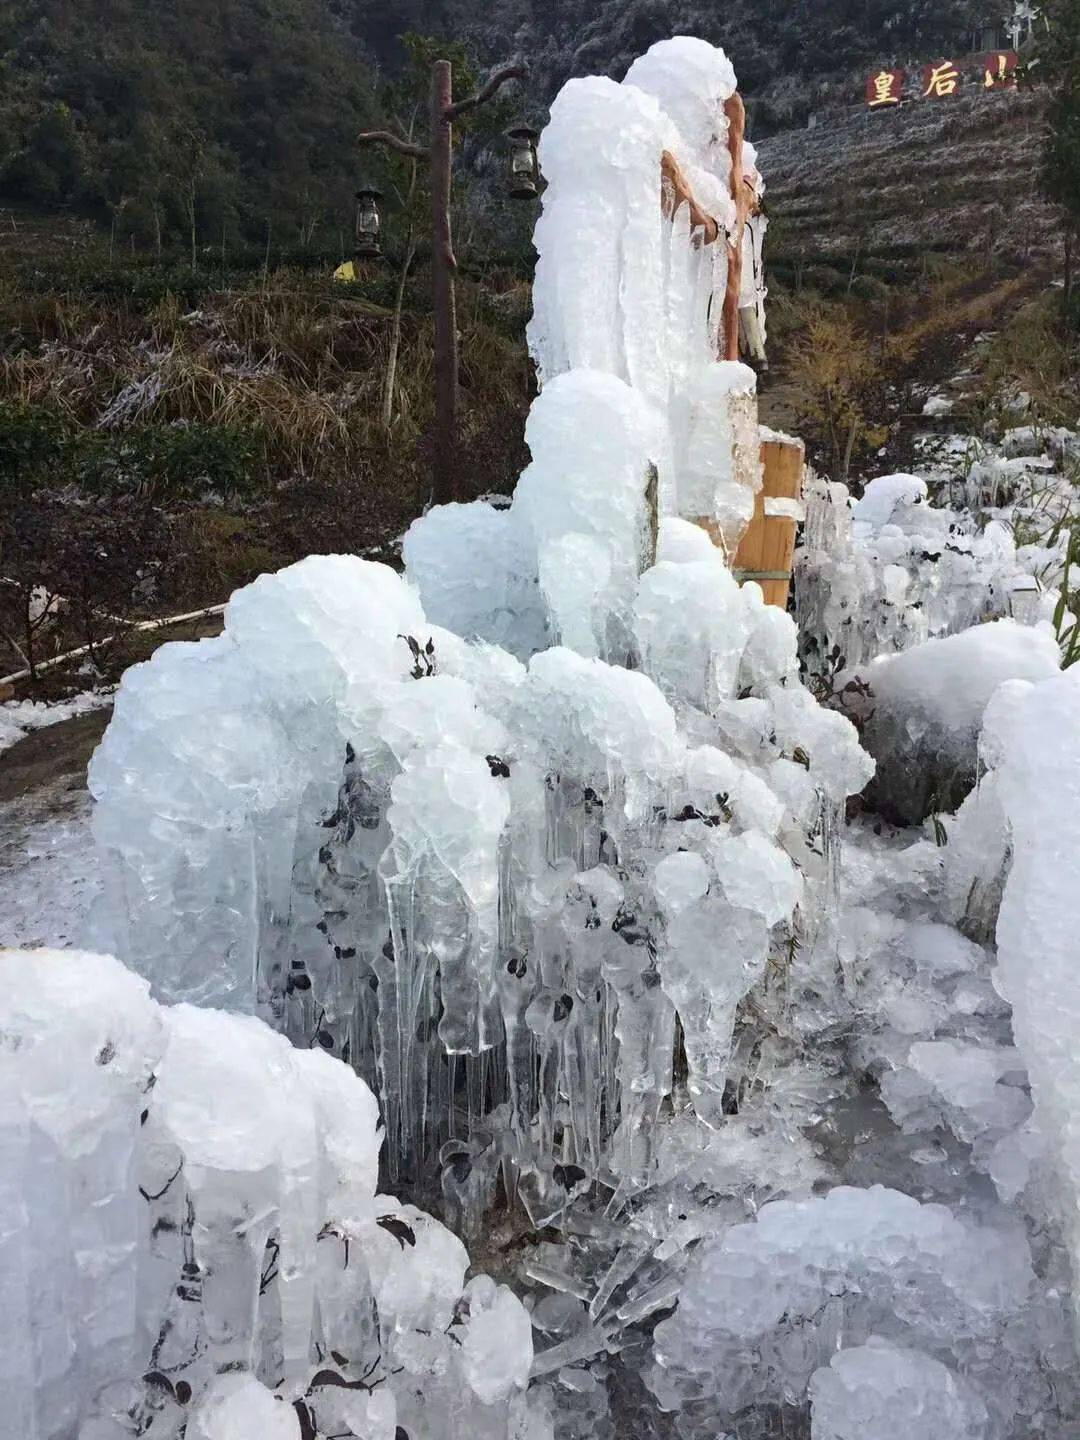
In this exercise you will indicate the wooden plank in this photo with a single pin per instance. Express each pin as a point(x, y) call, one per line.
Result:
point(768, 547)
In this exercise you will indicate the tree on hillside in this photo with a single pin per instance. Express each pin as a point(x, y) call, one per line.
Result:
point(1057, 62)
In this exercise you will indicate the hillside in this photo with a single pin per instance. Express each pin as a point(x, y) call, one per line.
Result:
point(791, 55)
point(877, 193)
point(217, 119)
point(204, 118)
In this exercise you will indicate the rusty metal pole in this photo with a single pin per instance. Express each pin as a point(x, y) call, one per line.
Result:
point(443, 267)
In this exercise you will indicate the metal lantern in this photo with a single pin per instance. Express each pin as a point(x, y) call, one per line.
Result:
point(524, 166)
point(367, 223)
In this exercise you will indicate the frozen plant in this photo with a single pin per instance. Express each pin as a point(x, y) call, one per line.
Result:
point(194, 1246)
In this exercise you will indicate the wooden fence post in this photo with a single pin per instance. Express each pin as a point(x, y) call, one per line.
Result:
point(766, 551)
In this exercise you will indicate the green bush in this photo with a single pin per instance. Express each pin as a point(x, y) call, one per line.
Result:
point(167, 463)
point(30, 439)
point(162, 463)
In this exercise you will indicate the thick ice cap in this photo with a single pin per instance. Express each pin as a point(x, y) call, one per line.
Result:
point(950, 681)
point(326, 620)
point(682, 542)
point(885, 494)
point(221, 1092)
point(475, 570)
point(601, 721)
point(744, 1283)
point(690, 79)
point(591, 439)
point(596, 124)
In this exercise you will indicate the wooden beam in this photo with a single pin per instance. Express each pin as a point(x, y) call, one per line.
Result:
point(766, 551)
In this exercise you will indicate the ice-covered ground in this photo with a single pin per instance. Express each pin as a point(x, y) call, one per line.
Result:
point(21, 717)
point(49, 868)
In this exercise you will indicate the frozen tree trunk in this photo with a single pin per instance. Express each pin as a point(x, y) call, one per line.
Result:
point(736, 114)
point(675, 191)
point(444, 265)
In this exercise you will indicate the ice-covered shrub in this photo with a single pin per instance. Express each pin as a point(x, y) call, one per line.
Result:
point(193, 1242)
point(893, 570)
point(417, 853)
point(926, 707)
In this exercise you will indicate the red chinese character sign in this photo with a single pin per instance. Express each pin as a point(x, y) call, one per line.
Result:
point(999, 70)
point(885, 88)
point(940, 80)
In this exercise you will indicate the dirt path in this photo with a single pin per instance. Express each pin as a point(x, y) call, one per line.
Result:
point(54, 753)
point(48, 865)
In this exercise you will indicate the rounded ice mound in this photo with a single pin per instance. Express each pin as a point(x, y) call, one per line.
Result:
point(601, 722)
point(590, 437)
point(475, 571)
point(681, 542)
point(81, 1042)
point(697, 662)
point(877, 1391)
point(299, 626)
point(237, 1407)
point(886, 494)
point(854, 1261)
point(609, 124)
point(928, 708)
point(690, 80)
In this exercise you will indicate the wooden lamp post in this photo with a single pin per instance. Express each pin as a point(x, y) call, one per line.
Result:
point(439, 154)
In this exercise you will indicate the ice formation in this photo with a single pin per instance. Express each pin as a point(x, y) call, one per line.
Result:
point(459, 874)
point(544, 839)
point(193, 1242)
point(926, 707)
point(441, 826)
point(765, 1305)
point(637, 419)
point(870, 1391)
point(1033, 744)
point(891, 571)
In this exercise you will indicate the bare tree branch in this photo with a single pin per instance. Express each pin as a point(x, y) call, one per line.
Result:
point(495, 82)
point(392, 141)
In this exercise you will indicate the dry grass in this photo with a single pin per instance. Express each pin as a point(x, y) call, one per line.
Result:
point(299, 363)
point(290, 372)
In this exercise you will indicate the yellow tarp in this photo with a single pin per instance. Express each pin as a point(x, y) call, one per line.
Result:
point(347, 271)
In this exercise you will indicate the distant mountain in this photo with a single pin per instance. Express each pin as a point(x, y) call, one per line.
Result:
point(789, 54)
point(192, 120)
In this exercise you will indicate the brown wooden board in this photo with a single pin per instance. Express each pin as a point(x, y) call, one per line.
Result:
point(768, 547)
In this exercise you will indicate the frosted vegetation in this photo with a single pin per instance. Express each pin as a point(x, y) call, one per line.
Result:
point(526, 891)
